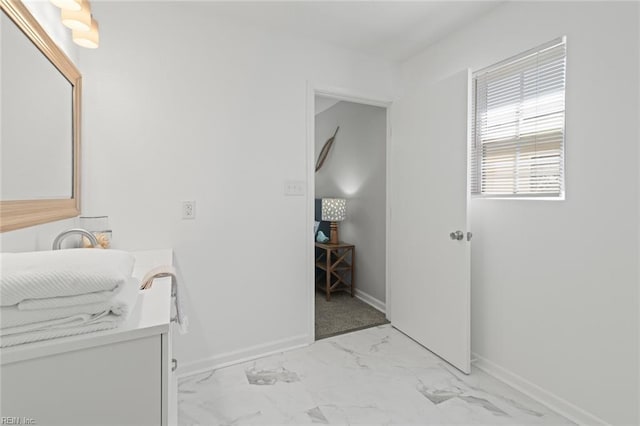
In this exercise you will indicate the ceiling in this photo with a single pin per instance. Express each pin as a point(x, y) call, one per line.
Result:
point(393, 30)
point(323, 103)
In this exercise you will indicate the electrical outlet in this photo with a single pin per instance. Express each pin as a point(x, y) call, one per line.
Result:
point(188, 209)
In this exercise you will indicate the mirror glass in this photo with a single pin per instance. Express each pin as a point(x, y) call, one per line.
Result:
point(36, 121)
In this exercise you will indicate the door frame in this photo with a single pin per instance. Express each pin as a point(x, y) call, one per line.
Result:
point(342, 94)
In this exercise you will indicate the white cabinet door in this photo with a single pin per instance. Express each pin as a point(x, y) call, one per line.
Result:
point(428, 271)
point(117, 384)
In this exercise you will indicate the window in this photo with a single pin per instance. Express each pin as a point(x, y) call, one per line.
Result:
point(518, 125)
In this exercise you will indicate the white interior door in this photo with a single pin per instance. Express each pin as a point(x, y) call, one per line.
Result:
point(429, 274)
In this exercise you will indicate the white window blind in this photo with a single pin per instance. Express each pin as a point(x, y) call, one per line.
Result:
point(518, 125)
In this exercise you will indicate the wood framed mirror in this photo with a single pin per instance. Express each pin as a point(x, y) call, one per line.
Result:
point(40, 95)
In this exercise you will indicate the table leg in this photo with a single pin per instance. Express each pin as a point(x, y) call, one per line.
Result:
point(353, 271)
point(328, 273)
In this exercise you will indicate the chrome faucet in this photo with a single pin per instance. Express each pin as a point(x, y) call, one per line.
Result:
point(75, 231)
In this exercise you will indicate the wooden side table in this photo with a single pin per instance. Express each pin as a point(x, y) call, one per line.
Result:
point(338, 263)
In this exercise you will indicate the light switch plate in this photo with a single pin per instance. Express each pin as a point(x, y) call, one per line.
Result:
point(294, 187)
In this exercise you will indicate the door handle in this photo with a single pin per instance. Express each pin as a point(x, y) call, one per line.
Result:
point(457, 235)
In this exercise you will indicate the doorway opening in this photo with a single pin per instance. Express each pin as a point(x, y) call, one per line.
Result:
point(350, 214)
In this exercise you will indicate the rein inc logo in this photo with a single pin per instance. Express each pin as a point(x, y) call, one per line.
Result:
point(17, 421)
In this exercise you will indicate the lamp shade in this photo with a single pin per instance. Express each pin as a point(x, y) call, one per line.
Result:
point(79, 20)
point(89, 39)
point(334, 209)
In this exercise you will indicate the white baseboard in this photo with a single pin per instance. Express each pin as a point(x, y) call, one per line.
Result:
point(242, 355)
point(370, 300)
point(533, 391)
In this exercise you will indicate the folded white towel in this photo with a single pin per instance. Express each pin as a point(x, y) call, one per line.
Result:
point(45, 274)
point(11, 317)
point(72, 321)
point(14, 320)
point(67, 301)
point(104, 323)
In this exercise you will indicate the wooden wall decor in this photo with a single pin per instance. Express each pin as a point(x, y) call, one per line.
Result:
point(325, 150)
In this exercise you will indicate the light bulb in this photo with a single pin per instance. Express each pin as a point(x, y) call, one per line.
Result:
point(78, 19)
point(89, 39)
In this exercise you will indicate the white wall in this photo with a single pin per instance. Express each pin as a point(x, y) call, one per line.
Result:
point(555, 283)
point(40, 237)
point(188, 107)
point(36, 237)
point(356, 170)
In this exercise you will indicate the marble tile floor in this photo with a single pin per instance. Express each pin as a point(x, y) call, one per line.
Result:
point(376, 376)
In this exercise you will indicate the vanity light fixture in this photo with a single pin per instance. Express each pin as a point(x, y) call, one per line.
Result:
point(77, 19)
point(68, 4)
point(76, 15)
point(89, 39)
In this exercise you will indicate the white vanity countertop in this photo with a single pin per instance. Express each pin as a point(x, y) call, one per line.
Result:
point(151, 316)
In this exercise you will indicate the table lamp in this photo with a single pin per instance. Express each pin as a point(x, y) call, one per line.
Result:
point(334, 210)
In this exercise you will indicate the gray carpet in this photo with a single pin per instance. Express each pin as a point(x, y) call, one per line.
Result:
point(344, 314)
